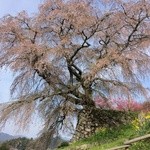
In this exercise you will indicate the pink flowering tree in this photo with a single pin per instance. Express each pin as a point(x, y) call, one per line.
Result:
point(126, 105)
point(118, 104)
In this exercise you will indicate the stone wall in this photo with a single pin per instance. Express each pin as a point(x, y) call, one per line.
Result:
point(89, 119)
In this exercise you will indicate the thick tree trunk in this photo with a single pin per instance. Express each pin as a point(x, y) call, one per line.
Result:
point(91, 118)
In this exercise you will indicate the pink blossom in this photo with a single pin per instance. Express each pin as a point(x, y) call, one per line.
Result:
point(118, 104)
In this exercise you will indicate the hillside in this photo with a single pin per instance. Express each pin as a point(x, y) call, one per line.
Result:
point(5, 137)
point(106, 139)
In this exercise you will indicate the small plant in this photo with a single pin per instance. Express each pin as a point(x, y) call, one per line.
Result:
point(142, 123)
point(63, 144)
point(101, 129)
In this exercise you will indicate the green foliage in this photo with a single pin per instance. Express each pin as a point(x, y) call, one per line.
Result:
point(143, 145)
point(110, 134)
point(19, 144)
point(63, 144)
point(142, 124)
point(4, 146)
point(105, 138)
point(109, 138)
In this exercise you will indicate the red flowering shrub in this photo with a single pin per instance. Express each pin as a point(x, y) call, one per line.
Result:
point(126, 105)
point(119, 104)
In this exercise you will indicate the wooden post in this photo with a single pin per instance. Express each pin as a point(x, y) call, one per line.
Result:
point(137, 139)
point(120, 147)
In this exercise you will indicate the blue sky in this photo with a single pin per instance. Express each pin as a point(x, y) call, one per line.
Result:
point(13, 7)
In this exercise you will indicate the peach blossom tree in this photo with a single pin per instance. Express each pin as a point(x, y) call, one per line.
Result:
point(120, 104)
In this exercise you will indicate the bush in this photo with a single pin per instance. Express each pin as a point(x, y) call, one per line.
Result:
point(4, 147)
point(142, 123)
point(126, 105)
point(119, 104)
point(63, 144)
point(19, 144)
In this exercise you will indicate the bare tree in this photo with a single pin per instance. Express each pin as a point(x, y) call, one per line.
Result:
point(69, 52)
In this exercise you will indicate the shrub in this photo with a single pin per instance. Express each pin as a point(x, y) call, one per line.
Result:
point(126, 105)
point(119, 104)
point(63, 144)
point(4, 147)
point(142, 123)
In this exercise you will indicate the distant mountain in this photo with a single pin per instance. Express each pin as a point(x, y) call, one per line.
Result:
point(6, 137)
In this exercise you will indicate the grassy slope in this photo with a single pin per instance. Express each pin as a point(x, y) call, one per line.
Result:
point(105, 139)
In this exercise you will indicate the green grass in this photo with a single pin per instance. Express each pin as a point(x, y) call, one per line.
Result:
point(110, 138)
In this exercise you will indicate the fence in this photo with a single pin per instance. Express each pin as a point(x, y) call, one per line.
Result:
point(127, 144)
